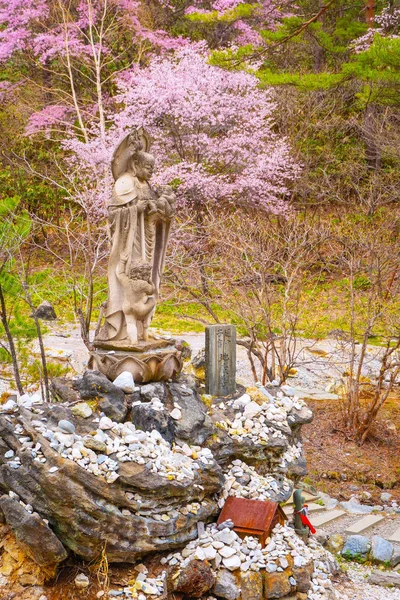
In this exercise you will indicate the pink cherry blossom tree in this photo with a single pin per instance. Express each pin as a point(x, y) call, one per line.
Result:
point(212, 130)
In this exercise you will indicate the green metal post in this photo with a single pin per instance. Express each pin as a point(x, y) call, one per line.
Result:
point(299, 528)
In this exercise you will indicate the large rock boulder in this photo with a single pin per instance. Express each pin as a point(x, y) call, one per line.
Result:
point(193, 581)
point(193, 424)
point(103, 480)
point(33, 535)
point(18, 566)
point(111, 399)
point(45, 311)
point(381, 550)
point(147, 418)
point(356, 547)
point(141, 512)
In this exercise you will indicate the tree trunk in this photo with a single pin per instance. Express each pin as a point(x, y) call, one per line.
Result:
point(41, 345)
point(370, 13)
point(13, 352)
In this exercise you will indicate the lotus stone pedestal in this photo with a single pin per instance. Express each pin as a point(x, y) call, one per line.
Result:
point(153, 360)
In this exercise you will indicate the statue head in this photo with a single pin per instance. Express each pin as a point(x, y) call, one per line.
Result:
point(144, 165)
point(140, 270)
point(135, 142)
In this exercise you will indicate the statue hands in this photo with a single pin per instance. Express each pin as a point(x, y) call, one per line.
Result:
point(166, 201)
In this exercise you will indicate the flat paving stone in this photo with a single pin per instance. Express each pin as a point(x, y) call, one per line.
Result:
point(312, 508)
point(306, 495)
point(364, 523)
point(327, 517)
point(395, 536)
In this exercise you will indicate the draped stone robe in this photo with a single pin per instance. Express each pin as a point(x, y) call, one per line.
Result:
point(138, 230)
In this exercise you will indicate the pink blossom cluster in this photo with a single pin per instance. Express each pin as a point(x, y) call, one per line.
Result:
point(388, 26)
point(212, 133)
point(16, 20)
point(47, 118)
point(212, 130)
point(30, 25)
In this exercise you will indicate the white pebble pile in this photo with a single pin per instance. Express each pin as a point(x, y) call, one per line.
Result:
point(290, 455)
point(259, 487)
point(127, 444)
point(226, 549)
point(253, 419)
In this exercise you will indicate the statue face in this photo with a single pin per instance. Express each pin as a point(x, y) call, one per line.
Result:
point(144, 166)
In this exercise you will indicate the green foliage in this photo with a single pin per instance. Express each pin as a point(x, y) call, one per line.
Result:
point(34, 373)
point(15, 226)
point(230, 16)
point(306, 81)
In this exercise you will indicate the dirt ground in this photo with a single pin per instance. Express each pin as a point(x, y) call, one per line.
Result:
point(341, 468)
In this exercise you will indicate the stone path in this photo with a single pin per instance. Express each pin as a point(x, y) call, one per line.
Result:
point(341, 521)
point(364, 524)
point(318, 364)
point(395, 536)
point(327, 517)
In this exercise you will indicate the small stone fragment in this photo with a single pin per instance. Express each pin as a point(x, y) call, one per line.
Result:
point(81, 581)
point(125, 382)
point(81, 410)
point(232, 563)
point(66, 426)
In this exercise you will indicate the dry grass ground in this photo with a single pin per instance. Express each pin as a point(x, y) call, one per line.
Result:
point(338, 466)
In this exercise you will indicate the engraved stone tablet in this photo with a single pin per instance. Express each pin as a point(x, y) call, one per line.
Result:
point(220, 360)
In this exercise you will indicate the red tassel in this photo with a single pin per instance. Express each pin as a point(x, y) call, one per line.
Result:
point(305, 521)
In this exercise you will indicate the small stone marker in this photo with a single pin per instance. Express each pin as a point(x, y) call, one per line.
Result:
point(220, 360)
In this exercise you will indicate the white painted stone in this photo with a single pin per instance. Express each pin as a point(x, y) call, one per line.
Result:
point(176, 414)
point(209, 552)
point(125, 382)
point(251, 410)
point(232, 563)
point(105, 424)
point(227, 551)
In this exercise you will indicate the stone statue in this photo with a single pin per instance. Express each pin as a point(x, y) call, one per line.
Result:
point(139, 222)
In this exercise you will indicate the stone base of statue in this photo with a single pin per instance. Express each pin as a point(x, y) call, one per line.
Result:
point(151, 360)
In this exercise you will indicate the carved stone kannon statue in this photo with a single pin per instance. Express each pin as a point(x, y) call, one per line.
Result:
point(140, 220)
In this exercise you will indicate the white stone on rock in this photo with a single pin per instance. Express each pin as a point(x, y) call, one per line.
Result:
point(251, 410)
point(81, 581)
point(176, 414)
point(125, 382)
point(209, 552)
point(82, 409)
point(105, 424)
point(226, 536)
point(227, 551)
point(8, 407)
point(199, 554)
point(232, 563)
